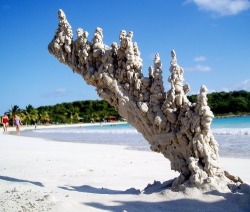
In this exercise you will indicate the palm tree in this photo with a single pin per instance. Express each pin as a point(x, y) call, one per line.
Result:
point(76, 117)
point(69, 115)
point(22, 116)
point(95, 116)
point(44, 117)
point(31, 114)
point(14, 110)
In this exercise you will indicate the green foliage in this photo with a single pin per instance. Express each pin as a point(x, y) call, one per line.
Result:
point(221, 103)
point(78, 111)
point(228, 103)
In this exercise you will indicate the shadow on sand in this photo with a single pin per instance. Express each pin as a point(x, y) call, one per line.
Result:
point(209, 201)
point(93, 190)
point(11, 179)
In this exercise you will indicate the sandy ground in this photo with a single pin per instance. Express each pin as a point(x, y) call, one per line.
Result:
point(42, 175)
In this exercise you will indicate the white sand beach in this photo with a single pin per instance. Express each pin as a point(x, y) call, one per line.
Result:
point(42, 175)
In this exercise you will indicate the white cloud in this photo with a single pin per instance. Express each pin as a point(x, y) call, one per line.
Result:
point(222, 7)
point(200, 68)
point(244, 85)
point(59, 92)
point(225, 90)
point(211, 90)
point(200, 59)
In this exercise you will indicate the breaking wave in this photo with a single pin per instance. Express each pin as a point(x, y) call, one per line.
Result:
point(87, 130)
point(110, 130)
point(231, 131)
point(233, 142)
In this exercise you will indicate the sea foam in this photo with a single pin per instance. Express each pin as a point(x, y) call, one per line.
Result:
point(231, 131)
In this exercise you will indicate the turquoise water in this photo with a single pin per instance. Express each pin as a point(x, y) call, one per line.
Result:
point(232, 134)
point(232, 122)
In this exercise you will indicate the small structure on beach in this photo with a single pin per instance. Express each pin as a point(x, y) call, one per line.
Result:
point(171, 124)
point(111, 118)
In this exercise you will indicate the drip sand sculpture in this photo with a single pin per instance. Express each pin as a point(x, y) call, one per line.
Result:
point(170, 123)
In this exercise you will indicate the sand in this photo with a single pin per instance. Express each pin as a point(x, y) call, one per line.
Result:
point(43, 175)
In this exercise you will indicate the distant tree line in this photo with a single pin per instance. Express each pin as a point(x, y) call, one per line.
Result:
point(228, 103)
point(221, 103)
point(72, 112)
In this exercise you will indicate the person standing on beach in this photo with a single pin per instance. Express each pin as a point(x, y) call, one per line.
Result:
point(5, 122)
point(17, 123)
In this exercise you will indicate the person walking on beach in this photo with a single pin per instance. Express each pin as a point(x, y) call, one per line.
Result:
point(17, 123)
point(5, 122)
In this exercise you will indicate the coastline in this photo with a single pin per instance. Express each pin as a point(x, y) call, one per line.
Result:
point(232, 116)
point(51, 126)
point(42, 175)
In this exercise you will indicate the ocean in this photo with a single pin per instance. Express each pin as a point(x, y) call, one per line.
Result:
point(231, 133)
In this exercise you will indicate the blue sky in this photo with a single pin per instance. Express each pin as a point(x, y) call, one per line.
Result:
point(211, 39)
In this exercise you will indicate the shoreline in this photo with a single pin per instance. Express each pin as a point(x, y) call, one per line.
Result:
point(44, 175)
point(227, 149)
point(51, 126)
point(231, 116)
